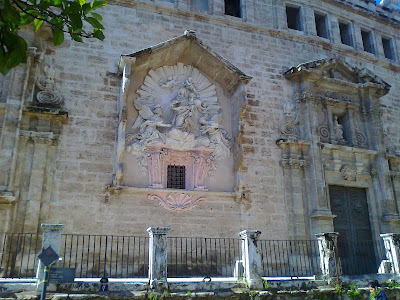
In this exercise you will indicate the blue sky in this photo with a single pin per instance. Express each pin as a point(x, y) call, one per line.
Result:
point(377, 2)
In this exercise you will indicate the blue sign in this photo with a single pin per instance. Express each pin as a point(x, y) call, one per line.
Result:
point(48, 256)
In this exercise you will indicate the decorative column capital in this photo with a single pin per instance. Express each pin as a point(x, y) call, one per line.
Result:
point(329, 236)
point(394, 236)
point(158, 230)
point(252, 234)
point(52, 227)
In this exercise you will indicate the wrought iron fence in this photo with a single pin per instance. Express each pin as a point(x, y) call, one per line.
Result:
point(362, 257)
point(105, 255)
point(290, 258)
point(127, 256)
point(202, 257)
point(18, 254)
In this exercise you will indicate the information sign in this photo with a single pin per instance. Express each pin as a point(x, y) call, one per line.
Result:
point(62, 275)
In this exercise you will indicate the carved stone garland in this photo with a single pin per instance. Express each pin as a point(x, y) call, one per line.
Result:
point(179, 122)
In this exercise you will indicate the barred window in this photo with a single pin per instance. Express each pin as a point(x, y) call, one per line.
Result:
point(176, 177)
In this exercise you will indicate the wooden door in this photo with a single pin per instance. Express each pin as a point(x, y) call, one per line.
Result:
point(355, 245)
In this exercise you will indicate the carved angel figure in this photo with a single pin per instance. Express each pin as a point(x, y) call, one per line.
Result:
point(338, 129)
point(148, 131)
point(219, 138)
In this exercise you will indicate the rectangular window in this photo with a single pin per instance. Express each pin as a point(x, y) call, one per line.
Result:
point(345, 34)
point(293, 18)
point(367, 41)
point(233, 8)
point(321, 25)
point(176, 177)
point(387, 48)
point(199, 4)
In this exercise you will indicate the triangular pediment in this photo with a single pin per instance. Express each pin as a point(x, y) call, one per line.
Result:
point(189, 50)
point(337, 71)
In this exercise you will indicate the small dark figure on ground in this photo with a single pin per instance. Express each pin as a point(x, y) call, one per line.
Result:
point(376, 293)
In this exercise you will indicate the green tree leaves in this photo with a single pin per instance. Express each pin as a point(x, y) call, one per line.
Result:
point(63, 16)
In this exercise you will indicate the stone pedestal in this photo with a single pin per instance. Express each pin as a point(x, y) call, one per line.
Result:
point(51, 237)
point(392, 243)
point(251, 258)
point(328, 259)
point(158, 257)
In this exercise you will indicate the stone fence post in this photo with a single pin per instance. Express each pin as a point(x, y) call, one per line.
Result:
point(251, 258)
point(51, 237)
point(329, 263)
point(392, 243)
point(158, 257)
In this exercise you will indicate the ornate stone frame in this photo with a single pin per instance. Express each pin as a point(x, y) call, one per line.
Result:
point(196, 162)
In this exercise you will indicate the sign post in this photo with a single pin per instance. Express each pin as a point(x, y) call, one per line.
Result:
point(47, 257)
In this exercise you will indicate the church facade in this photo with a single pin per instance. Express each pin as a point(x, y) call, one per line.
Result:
point(209, 117)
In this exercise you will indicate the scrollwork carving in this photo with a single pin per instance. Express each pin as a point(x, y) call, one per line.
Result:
point(361, 139)
point(290, 126)
point(323, 133)
point(48, 94)
point(177, 201)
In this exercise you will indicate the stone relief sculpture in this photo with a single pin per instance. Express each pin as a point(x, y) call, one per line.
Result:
point(178, 109)
point(390, 147)
point(48, 94)
point(348, 173)
point(177, 201)
point(289, 127)
point(338, 130)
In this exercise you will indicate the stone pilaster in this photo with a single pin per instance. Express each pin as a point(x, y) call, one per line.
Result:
point(294, 162)
point(158, 250)
point(320, 214)
point(392, 247)
point(251, 258)
point(328, 257)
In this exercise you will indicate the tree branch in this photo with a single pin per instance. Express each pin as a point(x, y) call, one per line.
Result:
point(48, 22)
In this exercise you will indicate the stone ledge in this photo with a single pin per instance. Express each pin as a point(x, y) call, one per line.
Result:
point(116, 189)
point(328, 147)
point(7, 198)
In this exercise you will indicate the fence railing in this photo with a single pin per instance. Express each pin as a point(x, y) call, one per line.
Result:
point(290, 258)
point(110, 256)
point(18, 254)
point(106, 255)
point(362, 257)
point(201, 257)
